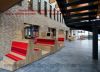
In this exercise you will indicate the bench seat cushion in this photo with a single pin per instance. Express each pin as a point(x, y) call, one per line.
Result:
point(13, 57)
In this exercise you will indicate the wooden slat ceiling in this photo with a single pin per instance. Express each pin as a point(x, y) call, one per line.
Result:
point(6, 4)
point(80, 14)
point(81, 9)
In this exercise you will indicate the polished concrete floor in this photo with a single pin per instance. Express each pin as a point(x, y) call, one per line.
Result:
point(76, 56)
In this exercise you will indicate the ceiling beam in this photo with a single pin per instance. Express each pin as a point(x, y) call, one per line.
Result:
point(89, 7)
point(78, 2)
point(79, 19)
point(90, 13)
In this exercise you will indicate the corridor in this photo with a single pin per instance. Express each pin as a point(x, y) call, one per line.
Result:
point(76, 56)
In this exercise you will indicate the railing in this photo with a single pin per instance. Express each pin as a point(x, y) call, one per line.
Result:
point(53, 13)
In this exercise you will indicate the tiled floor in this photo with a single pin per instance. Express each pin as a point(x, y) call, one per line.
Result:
point(76, 56)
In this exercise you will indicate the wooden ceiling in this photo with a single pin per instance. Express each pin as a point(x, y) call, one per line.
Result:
point(77, 11)
point(6, 4)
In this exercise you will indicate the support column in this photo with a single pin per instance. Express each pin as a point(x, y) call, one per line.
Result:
point(95, 44)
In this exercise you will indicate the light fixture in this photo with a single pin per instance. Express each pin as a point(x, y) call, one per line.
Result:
point(29, 0)
point(98, 17)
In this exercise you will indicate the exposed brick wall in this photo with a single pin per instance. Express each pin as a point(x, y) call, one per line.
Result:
point(9, 24)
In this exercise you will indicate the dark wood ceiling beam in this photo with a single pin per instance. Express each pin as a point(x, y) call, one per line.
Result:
point(90, 13)
point(6, 4)
point(89, 7)
point(78, 2)
point(79, 19)
point(89, 23)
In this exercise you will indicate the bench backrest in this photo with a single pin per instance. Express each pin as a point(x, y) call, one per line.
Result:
point(19, 48)
point(60, 39)
point(45, 41)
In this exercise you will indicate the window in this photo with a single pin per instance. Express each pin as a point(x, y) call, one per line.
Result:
point(54, 14)
point(31, 31)
point(60, 17)
point(28, 32)
point(48, 34)
point(57, 15)
point(45, 8)
point(52, 30)
point(39, 6)
point(30, 4)
point(50, 11)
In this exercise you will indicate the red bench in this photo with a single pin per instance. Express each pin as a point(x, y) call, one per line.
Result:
point(45, 41)
point(18, 48)
point(45, 44)
point(60, 39)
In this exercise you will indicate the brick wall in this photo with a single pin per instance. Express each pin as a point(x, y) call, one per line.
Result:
point(10, 22)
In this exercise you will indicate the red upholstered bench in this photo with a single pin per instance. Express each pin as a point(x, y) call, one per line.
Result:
point(45, 41)
point(45, 44)
point(60, 39)
point(16, 58)
point(20, 48)
point(60, 42)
